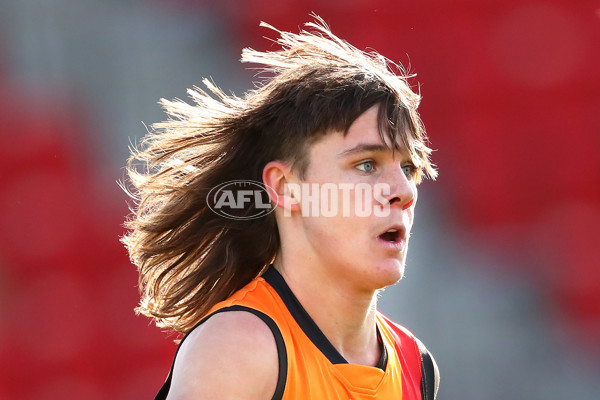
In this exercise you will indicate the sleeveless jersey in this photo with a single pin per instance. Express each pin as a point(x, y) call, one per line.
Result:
point(309, 365)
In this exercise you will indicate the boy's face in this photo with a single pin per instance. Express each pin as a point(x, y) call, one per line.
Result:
point(356, 248)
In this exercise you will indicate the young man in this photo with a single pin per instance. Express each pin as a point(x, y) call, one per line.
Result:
point(282, 305)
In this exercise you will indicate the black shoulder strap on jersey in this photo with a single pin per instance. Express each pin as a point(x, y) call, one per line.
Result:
point(281, 351)
point(430, 375)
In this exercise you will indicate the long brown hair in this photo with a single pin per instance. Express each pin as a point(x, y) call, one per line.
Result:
point(190, 258)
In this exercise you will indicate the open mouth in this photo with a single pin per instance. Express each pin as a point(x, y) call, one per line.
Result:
point(391, 235)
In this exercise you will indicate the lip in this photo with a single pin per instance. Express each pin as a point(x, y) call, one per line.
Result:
point(400, 242)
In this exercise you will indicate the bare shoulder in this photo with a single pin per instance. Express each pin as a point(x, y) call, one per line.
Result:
point(233, 355)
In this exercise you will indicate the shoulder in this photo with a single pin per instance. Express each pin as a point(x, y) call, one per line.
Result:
point(232, 355)
point(430, 373)
point(429, 370)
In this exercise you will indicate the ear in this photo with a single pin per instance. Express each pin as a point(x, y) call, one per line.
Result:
point(281, 183)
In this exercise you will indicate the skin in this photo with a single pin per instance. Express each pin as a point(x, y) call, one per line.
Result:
point(232, 356)
point(339, 261)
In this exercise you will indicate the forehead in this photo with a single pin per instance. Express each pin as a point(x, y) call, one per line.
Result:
point(364, 134)
point(366, 127)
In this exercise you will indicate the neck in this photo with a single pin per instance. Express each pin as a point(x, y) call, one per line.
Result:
point(348, 321)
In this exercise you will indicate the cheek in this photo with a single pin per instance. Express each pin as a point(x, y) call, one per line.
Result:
point(415, 191)
point(341, 233)
point(411, 217)
point(411, 211)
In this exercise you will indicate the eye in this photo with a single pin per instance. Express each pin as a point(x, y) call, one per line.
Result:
point(366, 166)
point(409, 170)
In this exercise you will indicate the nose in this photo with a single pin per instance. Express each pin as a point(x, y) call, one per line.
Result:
point(402, 189)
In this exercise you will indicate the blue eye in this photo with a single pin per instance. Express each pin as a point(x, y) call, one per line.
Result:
point(408, 170)
point(366, 166)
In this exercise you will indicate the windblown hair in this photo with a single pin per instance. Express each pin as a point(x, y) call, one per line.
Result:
point(190, 258)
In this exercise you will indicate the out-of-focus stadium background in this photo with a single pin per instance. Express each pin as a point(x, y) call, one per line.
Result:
point(503, 279)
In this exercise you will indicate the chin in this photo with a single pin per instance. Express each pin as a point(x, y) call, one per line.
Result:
point(389, 272)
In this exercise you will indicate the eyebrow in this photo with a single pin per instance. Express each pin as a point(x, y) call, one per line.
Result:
point(363, 148)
